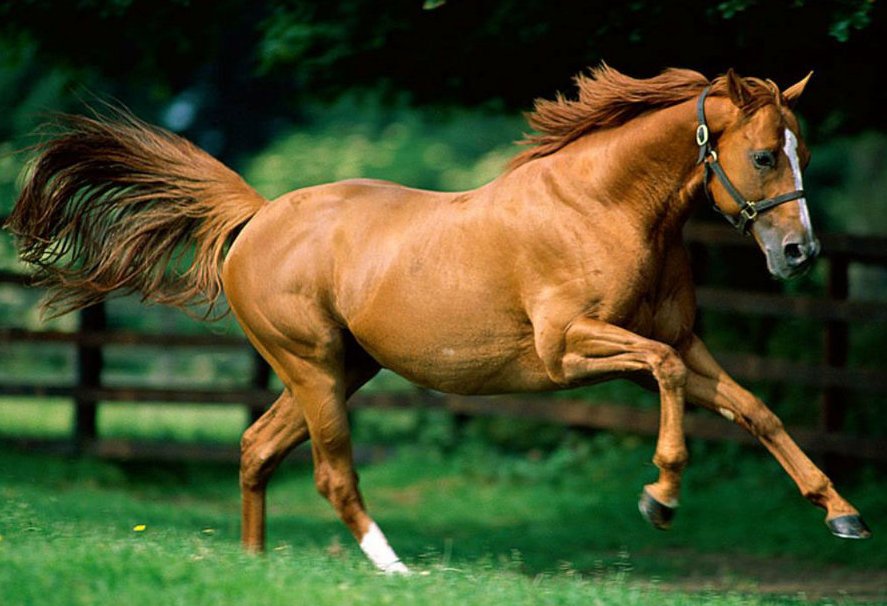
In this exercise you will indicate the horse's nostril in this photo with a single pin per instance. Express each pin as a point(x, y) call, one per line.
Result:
point(794, 252)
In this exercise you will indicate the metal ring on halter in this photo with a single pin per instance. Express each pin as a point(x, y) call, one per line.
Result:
point(701, 134)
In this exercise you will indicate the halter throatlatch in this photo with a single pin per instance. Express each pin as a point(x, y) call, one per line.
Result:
point(748, 209)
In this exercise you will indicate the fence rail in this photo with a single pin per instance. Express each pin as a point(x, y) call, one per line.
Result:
point(830, 374)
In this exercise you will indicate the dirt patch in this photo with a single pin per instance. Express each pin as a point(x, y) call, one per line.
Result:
point(782, 576)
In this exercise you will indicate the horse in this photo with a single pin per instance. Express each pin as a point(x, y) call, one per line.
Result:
point(566, 270)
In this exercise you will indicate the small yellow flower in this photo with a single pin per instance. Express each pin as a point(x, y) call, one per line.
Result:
point(139, 528)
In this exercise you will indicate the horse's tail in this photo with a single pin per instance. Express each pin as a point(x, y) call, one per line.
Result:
point(116, 205)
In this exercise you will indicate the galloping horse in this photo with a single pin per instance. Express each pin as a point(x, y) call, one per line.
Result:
point(568, 269)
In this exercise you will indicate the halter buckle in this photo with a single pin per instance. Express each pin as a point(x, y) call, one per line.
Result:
point(749, 212)
point(701, 135)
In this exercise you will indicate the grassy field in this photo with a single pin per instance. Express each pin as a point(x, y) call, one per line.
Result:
point(478, 525)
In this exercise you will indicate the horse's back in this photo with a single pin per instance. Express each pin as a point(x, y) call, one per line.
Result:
point(291, 245)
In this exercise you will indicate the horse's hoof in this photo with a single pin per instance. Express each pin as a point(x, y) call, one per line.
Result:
point(849, 527)
point(659, 515)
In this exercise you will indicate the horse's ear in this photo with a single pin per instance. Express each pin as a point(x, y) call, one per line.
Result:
point(793, 92)
point(738, 90)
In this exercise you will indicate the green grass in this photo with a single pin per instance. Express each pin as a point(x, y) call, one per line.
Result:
point(54, 417)
point(479, 526)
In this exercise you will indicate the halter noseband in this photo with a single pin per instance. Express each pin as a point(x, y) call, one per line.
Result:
point(748, 209)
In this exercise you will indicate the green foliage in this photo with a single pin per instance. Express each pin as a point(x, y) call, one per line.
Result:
point(851, 15)
point(846, 16)
point(270, 58)
point(27, 94)
point(848, 181)
point(358, 136)
point(730, 8)
point(291, 37)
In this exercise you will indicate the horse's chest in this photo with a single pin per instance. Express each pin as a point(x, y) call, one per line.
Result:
point(651, 297)
point(635, 311)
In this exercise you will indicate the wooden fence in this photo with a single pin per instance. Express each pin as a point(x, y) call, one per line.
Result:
point(830, 375)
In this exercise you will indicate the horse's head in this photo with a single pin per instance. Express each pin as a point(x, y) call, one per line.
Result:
point(756, 169)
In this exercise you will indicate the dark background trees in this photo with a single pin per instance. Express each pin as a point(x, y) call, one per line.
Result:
point(245, 66)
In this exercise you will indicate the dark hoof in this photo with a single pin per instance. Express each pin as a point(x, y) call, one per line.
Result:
point(659, 515)
point(849, 527)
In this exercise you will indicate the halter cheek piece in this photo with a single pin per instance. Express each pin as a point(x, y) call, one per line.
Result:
point(748, 209)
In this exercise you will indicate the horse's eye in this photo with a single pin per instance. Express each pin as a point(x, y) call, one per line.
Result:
point(763, 159)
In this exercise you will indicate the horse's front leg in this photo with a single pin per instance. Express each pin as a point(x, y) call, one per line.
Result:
point(710, 386)
point(590, 350)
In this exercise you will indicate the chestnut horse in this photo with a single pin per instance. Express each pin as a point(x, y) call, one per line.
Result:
point(568, 269)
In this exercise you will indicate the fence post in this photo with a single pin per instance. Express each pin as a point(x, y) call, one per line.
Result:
point(90, 361)
point(837, 345)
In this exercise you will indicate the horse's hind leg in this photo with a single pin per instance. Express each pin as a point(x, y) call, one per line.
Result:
point(263, 447)
point(267, 442)
point(710, 386)
point(320, 386)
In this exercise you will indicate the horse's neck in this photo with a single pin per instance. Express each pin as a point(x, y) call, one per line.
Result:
point(644, 170)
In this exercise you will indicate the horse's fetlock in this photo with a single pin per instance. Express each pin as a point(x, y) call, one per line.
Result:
point(672, 461)
point(816, 491)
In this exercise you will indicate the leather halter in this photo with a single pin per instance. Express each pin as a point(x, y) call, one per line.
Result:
point(748, 209)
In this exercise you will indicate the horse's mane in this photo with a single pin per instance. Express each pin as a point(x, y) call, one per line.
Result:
point(608, 98)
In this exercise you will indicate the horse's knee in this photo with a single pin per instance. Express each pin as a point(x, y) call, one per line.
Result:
point(259, 457)
point(256, 465)
point(267, 442)
point(668, 368)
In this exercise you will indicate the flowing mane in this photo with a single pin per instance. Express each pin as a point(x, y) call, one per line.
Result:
point(609, 98)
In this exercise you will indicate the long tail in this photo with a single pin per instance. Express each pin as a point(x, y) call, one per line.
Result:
point(114, 205)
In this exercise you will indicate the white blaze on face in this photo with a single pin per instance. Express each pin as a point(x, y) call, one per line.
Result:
point(791, 151)
point(376, 547)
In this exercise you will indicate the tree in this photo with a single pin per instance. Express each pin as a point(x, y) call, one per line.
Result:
point(249, 62)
